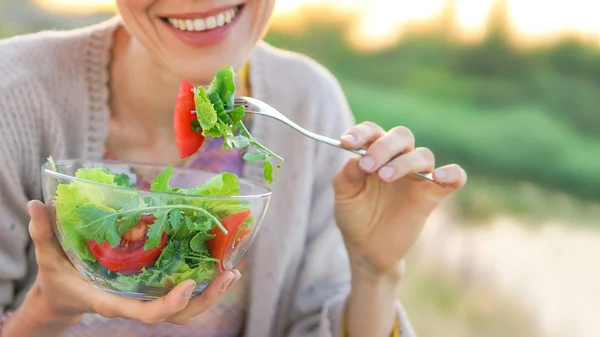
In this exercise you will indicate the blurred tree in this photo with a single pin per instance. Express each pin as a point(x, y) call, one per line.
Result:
point(494, 56)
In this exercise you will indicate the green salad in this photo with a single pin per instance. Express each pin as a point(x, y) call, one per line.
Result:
point(137, 240)
point(141, 239)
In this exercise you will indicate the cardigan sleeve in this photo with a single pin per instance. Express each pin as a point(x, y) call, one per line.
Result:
point(323, 283)
point(17, 173)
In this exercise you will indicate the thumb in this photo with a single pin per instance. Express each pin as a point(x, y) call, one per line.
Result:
point(349, 181)
point(41, 232)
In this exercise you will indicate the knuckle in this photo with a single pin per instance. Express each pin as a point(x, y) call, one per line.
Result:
point(383, 149)
point(369, 125)
point(426, 155)
point(404, 133)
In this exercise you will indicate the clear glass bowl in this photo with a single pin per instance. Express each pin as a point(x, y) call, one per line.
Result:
point(139, 240)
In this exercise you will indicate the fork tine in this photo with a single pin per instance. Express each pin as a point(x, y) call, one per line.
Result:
point(240, 101)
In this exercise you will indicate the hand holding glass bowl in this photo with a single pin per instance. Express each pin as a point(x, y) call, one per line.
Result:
point(140, 230)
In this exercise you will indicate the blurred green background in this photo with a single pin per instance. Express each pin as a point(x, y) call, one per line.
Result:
point(522, 118)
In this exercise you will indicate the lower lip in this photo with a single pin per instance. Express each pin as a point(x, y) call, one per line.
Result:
point(207, 37)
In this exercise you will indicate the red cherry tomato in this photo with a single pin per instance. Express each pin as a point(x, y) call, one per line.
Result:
point(187, 140)
point(218, 244)
point(129, 257)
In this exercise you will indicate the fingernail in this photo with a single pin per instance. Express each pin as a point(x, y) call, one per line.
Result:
point(189, 290)
point(367, 163)
point(29, 206)
point(439, 174)
point(386, 173)
point(349, 138)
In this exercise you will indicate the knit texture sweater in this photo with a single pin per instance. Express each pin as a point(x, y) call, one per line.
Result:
point(54, 92)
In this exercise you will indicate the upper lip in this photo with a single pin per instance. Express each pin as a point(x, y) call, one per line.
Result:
point(203, 14)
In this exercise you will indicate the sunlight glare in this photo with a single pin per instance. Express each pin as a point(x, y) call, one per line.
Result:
point(381, 21)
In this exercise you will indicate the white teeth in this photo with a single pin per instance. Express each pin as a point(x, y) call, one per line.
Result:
point(199, 24)
point(220, 19)
point(202, 24)
point(211, 22)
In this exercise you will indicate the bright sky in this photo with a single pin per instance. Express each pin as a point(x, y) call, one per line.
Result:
point(532, 17)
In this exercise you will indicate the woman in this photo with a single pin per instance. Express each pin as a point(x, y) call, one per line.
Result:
point(328, 260)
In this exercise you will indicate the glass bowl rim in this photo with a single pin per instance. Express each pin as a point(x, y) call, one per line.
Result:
point(46, 169)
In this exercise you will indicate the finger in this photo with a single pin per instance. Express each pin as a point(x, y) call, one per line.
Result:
point(149, 312)
point(209, 297)
point(419, 160)
point(452, 175)
point(47, 248)
point(361, 135)
point(398, 141)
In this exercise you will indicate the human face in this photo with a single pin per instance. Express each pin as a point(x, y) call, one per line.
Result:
point(193, 38)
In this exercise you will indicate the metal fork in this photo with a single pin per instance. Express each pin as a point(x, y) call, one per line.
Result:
point(258, 107)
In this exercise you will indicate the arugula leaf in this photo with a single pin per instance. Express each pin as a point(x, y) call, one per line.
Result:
point(176, 220)
point(126, 200)
point(200, 223)
point(98, 225)
point(224, 84)
point(156, 230)
point(154, 201)
point(198, 242)
point(161, 182)
point(123, 179)
point(178, 262)
point(126, 223)
point(254, 156)
point(268, 169)
point(237, 114)
point(240, 142)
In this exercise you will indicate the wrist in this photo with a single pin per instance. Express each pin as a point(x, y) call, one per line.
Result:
point(36, 302)
point(371, 306)
point(364, 271)
point(35, 316)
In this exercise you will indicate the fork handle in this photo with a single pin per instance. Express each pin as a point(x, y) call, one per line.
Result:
point(362, 152)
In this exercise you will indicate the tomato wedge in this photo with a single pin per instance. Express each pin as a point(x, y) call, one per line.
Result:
point(129, 257)
point(187, 140)
point(218, 244)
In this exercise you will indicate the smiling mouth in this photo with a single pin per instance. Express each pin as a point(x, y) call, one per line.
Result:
point(207, 23)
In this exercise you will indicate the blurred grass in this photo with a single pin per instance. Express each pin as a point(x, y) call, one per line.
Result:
point(439, 305)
